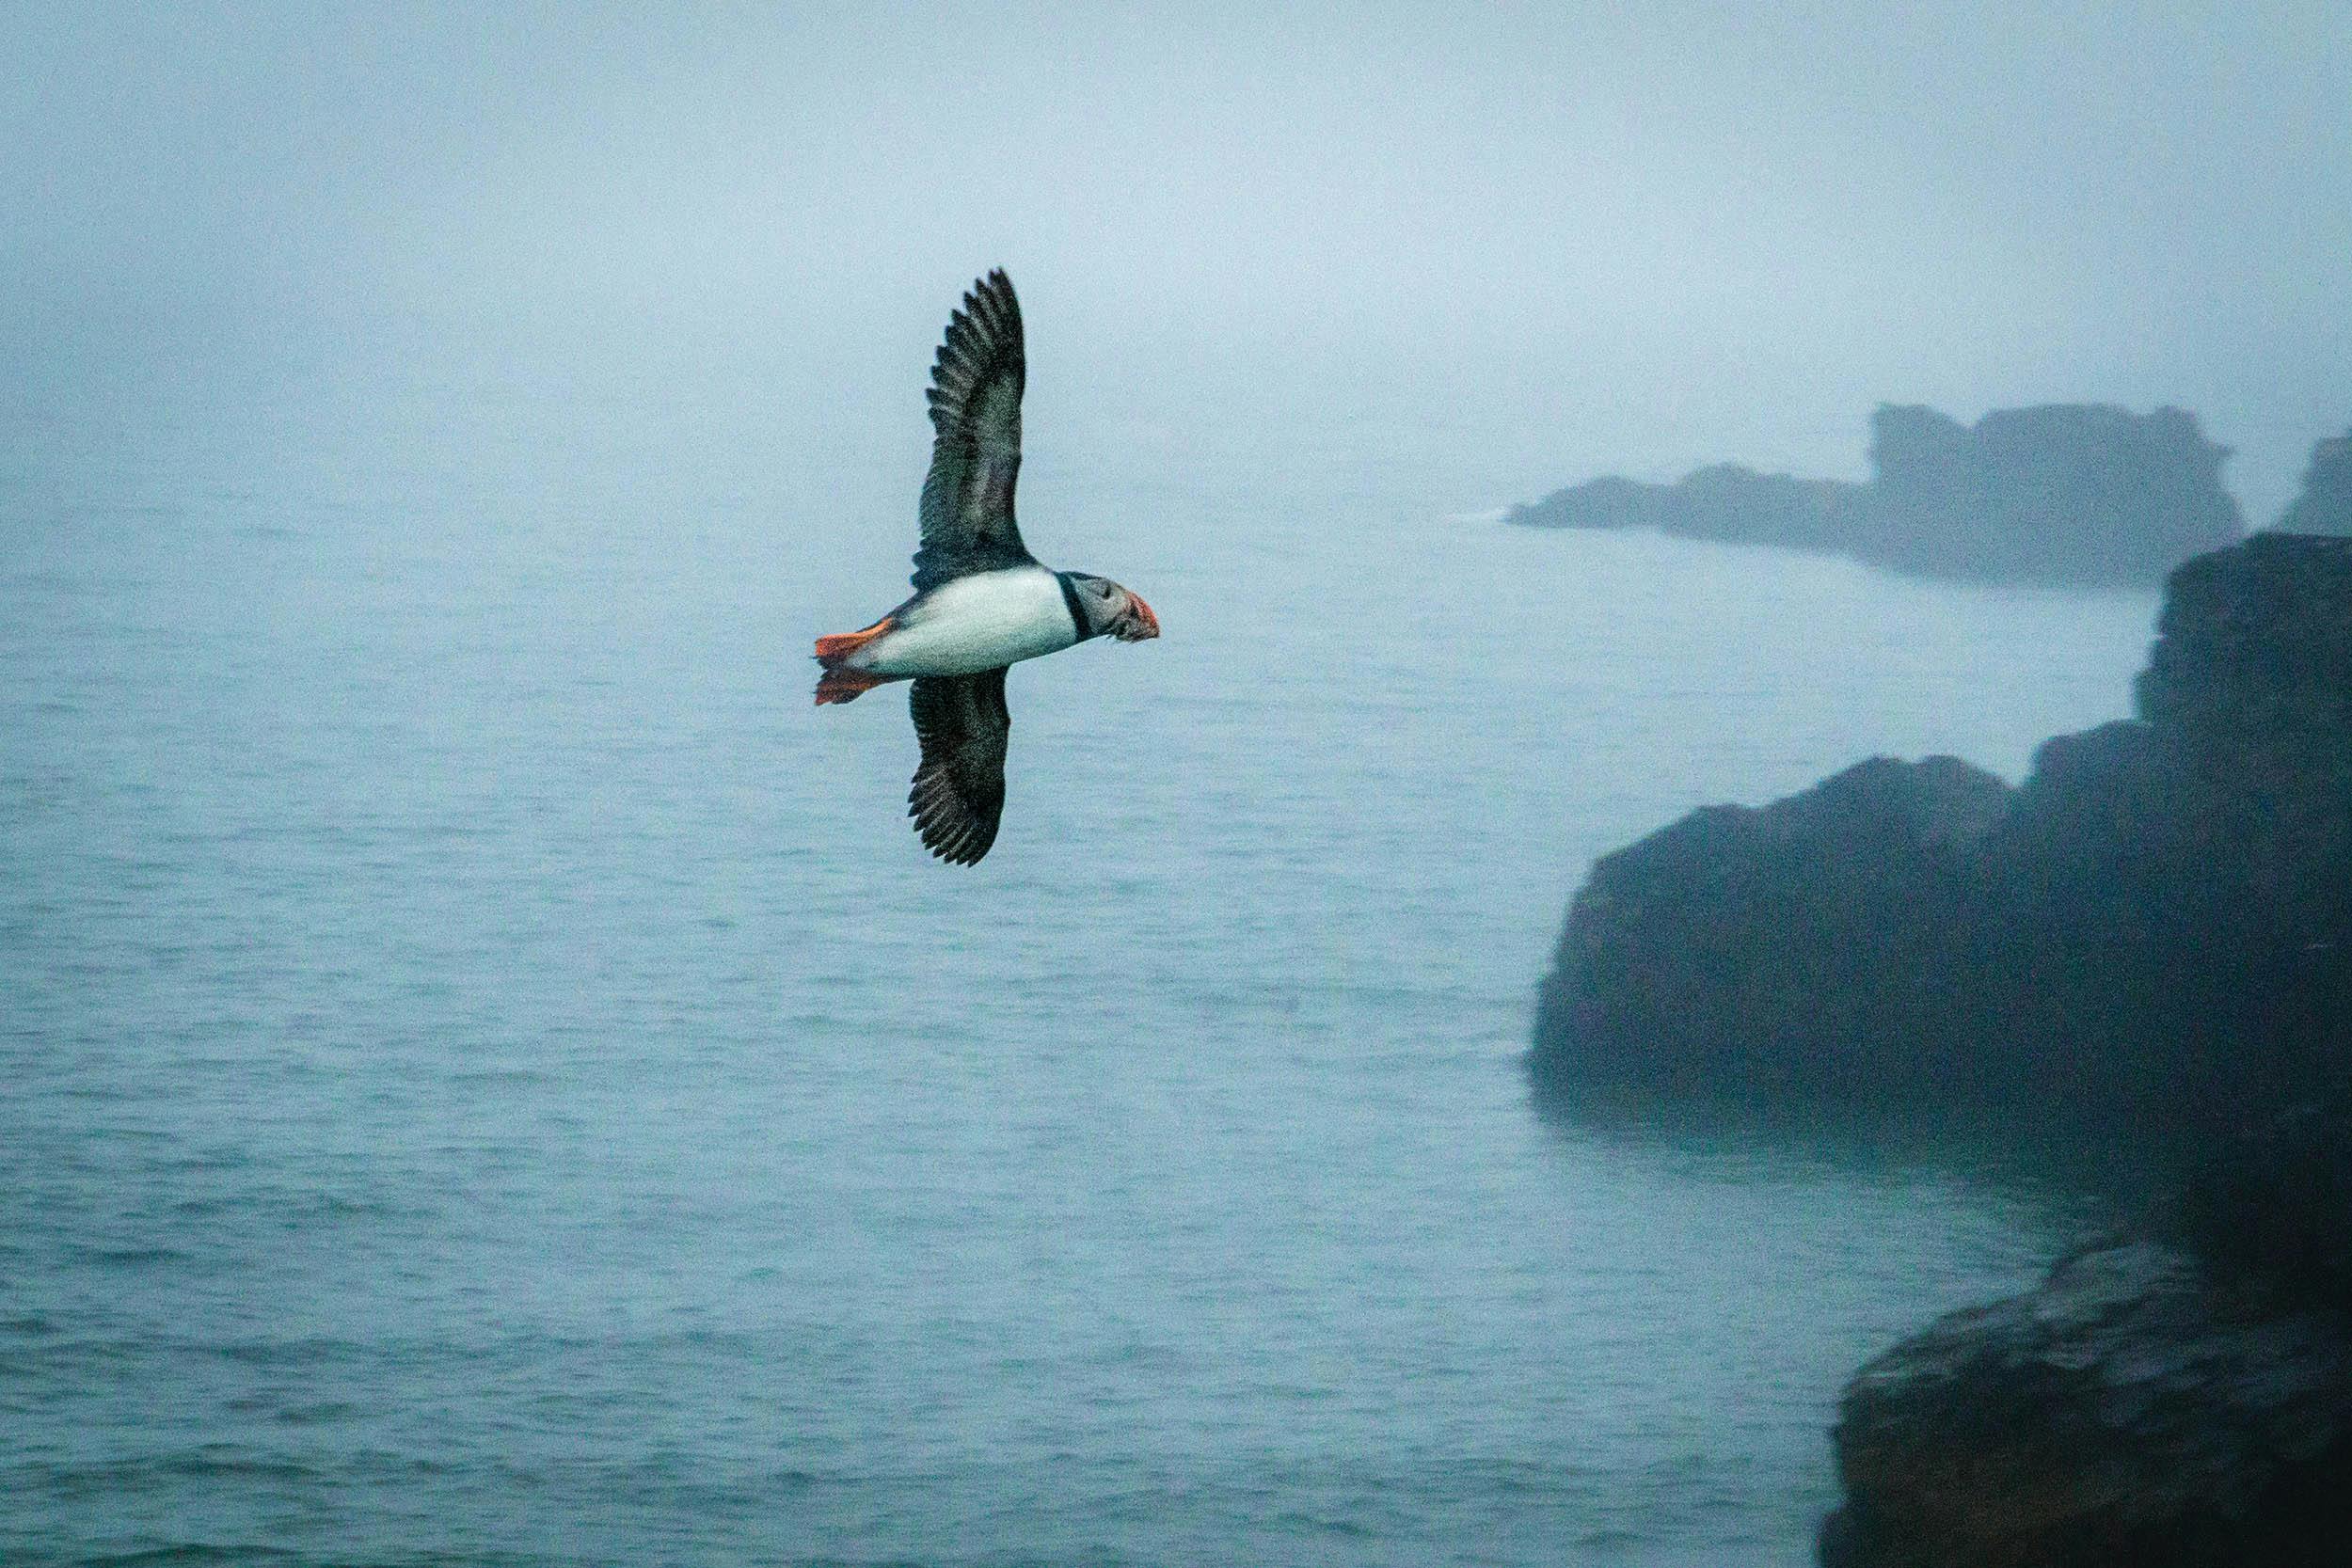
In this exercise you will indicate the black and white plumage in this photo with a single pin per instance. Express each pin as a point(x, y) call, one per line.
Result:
point(975, 397)
point(981, 601)
point(963, 725)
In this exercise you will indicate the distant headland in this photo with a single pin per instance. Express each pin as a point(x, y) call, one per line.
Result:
point(2062, 495)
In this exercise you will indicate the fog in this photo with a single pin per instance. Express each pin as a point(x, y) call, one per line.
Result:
point(492, 1078)
point(1638, 237)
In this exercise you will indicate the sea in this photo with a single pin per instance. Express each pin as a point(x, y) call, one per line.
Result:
point(489, 1077)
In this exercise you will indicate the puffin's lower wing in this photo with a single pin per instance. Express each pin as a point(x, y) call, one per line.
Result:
point(959, 791)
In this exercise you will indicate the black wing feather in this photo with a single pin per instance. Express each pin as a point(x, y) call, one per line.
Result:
point(976, 454)
point(959, 791)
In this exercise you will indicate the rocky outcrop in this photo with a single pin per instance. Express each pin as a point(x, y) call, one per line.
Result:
point(2083, 495)
point(2157, 926)
point(1724, 502)
point(1771, 953)
point(2066, 493)
point(2141, 1408)
point(2152, 937)
point(2179, 1394)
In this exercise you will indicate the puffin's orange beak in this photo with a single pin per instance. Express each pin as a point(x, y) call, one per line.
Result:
point(1142, 625)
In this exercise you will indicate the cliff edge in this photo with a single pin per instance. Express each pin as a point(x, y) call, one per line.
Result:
point(2155, 926)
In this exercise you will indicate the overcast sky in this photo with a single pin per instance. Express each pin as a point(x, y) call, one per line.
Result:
point(1703, 207)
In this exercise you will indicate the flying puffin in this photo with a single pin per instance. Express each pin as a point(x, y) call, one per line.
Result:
point(981, 600)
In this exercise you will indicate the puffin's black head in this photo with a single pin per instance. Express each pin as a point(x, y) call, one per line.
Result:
point(1110, 611)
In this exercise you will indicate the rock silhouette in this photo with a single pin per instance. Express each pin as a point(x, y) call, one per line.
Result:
point(2148, 943)
point(2139, 1408)
point(2075, 495)
point(2155, 928)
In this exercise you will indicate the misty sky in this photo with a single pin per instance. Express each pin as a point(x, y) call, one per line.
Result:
point(1705, 230)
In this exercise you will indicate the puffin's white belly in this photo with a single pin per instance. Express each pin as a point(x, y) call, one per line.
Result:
point(982, 621)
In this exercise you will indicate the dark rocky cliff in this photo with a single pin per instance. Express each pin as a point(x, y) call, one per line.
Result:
point(2068, 494)
point(2178, 1394)
point(2141, 1409)
point(2157, 926)
point(2147, 944)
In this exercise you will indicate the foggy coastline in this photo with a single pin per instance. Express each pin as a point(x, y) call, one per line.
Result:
point(2147, 949)
point(490, 1082)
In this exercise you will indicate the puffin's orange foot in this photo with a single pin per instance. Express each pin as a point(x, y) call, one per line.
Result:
point(832, 650)
point(844, 685)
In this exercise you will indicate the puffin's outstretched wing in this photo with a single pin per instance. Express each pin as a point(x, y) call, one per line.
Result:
point(959, 791)
point(976, 408)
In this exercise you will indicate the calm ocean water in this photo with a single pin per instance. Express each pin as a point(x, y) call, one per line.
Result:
point(490, 1077)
